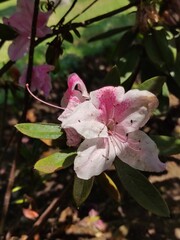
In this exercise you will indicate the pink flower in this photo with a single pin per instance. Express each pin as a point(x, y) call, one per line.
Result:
point(40, 78)
point(109, 121)
point(21, 21)
point(71, 99)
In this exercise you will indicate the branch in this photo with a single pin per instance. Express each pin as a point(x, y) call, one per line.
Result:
point(31, 56)
point(60, 202)
point(7, 196)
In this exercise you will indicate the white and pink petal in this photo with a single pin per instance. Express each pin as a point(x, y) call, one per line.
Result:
point(93, 158)
point(135, 109)
point(84, 119)
point(140, 152)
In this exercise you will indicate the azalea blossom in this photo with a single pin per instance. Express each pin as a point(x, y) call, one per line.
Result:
point(40, 78)
point(109, 121)
point(71, 99)
point(21, 21)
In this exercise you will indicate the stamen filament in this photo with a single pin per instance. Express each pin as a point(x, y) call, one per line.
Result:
point(42, 101)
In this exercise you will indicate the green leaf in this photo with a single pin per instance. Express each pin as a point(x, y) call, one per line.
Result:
point(153, 85)
point(40, 130)
point(177, 70)
point(113, 77)
point(167, 145)
point(109, 33)
point(7, 33)
point(68, 37)
point(109, 186)
point(76, 32)
point(141, 189)
point(55, 162)
point(54, 50)
point(161, 50)
point(128, 65)
point(125, 43)
point(81, 189)
point(163, 100)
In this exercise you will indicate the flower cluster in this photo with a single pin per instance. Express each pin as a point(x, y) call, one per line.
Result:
point(105, 124)
point(21, 21)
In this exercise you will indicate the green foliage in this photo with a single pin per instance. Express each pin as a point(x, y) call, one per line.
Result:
point(109, 33)
point(81, 189)
point(177, 70)
point(128, 64)
point(54, 162)
point(141, 189)
point(109, 186)
point(40, 130)
point(160, 48)
point(167, 145)
point(113, 77)
point(153, 85)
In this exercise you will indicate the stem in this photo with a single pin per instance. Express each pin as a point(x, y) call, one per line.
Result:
point(40, 100)
point(6, 67)
point(60, 202)
point(3, 113)
point(79, 14)
point(31, 56)
point(68, 11)
point(23, 117)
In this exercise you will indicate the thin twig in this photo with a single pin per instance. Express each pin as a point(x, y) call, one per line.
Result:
point(6, 67)
point(83, 11)
point(68, 11)
point(31, 56)
point(71, 26)
point(60, 201)
point(23, 117)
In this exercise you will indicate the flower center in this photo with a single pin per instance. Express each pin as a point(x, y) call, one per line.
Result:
point(110, 126)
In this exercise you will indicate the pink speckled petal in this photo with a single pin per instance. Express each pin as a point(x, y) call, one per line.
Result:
point(138, 107)
point(140, 152)
point(93, 157)
point(105, 99)
point(84, 120)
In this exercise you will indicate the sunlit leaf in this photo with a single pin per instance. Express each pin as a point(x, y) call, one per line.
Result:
point(167, 145)
point(141, 189)
point(40, 130)
point(55, 162)
point(109, 186)
point(164, 99)
point(153, 85)
point(81, 189)
point(128, 65)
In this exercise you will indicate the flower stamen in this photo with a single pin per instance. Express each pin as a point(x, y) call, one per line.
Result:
point(42, 101)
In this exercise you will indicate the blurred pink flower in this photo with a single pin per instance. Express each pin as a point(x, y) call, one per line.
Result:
point(96, 220)
point(21, 21)
point(40, 78)
point(109, 121)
